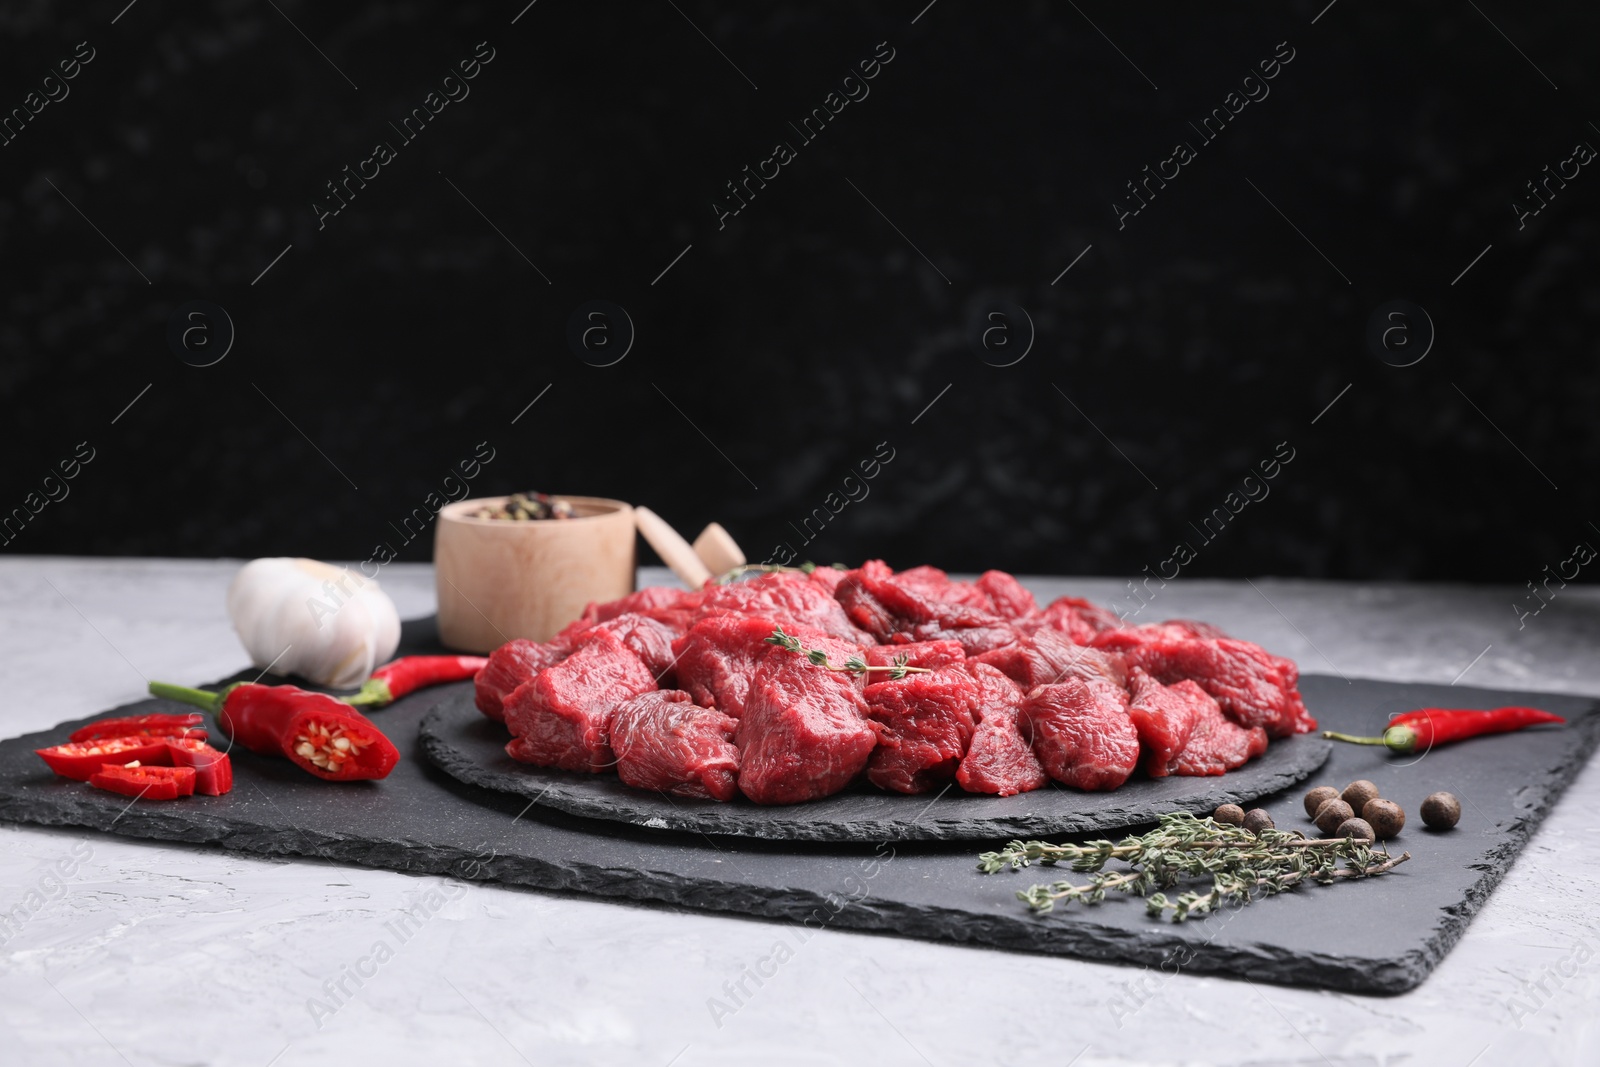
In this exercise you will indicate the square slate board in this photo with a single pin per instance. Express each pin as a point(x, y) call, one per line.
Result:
point(1377, 936)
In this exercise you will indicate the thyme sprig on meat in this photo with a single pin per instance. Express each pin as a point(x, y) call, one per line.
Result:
point(733, 575)
point(854, 665)
point(1242, 865)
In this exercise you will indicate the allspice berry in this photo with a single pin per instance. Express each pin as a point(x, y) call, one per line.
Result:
point(1229, 814)
point(1357, 793)
point(1359, 828)
point(1441, 811)
point(1386, 818)
point(1257, 820)
point(1318, 797)
point(1332, 814)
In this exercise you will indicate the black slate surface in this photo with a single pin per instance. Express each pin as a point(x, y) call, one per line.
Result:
point(1379, 936)
point(461, 742)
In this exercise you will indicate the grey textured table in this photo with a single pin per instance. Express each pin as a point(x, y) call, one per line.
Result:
point(126, 951)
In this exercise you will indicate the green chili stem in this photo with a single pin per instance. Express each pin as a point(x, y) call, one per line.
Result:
point(1334, 736)
point(201, 698)
point(1395, 739)
point(374, 692)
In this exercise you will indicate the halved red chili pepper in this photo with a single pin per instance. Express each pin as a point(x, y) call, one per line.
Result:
point(326, 737)
point(213, 770)
point(189, 725)
point(81, 760)
point(1427, 727)
point(410, 673)
point(145, 783)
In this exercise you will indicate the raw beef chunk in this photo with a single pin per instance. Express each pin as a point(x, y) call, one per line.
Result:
point(1049, 656)
point(1218, 745)
point(716, 657)
point(927, 721)
point(562, 716)
point(675, 607)
point(1189, 628)
point(921, 605)
point(790, 599)
point(1005, 595)
point(664, 741)
point(1073, 616)
point(1254, 687)
point(930, 654)
point(650, 640)
point(804, 733)
point(827, 577)
point(1165, 717)
point(1081, 732)
point(998, 760)
point(509, 666)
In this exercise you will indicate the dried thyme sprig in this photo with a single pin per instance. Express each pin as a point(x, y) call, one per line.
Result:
point(854, 665)
point(1241, 865)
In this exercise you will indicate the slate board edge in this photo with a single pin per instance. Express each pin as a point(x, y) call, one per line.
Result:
point(1053, 935)
point(1020, 932)
point(1557, 781)
point(1314, 752)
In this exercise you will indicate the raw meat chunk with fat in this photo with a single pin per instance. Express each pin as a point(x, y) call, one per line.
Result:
point(1049, 657)
point(561, 717)
point(929, 654)
point(1165, 717)
point(664, 741)
point(804, 733)
point(927, 722)
point(786, 598)
point(921, 604)
point(998, 759)
point(1218, 744)
point(716, 659)
point(1081, 732)
point(509, 666)
point(675, 607)
point(1073, 616)
point(1254, 687)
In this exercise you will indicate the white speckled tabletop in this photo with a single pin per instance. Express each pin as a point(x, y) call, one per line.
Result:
point(118, 951)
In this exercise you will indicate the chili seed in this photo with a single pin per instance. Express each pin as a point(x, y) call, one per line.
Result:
point(1318, 797)
point(1441, 811)
point(1386, 818)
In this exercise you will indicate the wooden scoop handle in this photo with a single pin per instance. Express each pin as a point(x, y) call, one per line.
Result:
point(718, 550)
point(674, 551)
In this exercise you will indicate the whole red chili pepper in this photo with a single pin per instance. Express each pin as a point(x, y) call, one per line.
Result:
point(410, 673)
point(1426, 727)
point(326, 737)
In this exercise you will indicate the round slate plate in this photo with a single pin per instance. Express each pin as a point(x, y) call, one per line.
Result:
point(461, 742)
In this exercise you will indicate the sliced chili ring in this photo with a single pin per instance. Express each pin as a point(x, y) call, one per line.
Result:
point(339, 748)
point(145, 783)
point(81, 760)
point(189, 725)
point(213, 770)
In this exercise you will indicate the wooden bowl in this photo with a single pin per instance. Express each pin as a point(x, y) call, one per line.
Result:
point(504, 578)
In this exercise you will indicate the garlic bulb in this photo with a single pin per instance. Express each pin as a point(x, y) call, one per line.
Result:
point(327, 624)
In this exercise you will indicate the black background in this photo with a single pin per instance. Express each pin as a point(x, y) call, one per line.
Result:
point(1190, 343)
